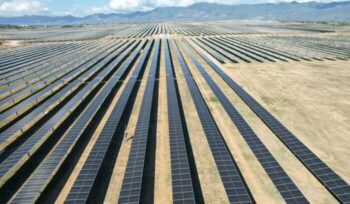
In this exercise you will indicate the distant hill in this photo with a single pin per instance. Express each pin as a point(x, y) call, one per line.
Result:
point(314, 11)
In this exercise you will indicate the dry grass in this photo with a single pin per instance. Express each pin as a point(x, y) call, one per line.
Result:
point(11, 44)
point(65, 191)
point(262, 188)
point(163, 190)
point(115, 183)
point(207, 171)
point(312, 99)
point(251, 76)
point(308, 100)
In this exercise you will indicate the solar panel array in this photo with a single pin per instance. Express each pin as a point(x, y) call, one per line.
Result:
point(282, 181)
point(32, 76)
point(19, 108)
point(256, 54)
point(23, 67)
point(82, 186)
point(269, 50)
point(10, 70)
point(260, 52)
point(130, 191)
point(32, 188)
point(37, 70)
point(65, 104)
point(234, 184)
point(232, 50)
point(41, 71)
point(15, 160)
point(334, 183)
point(38, 57)
point(315, 47)
point(219, 50)
point(182, 187)
point(210, 51)
point(20, 126)
point(19, 95)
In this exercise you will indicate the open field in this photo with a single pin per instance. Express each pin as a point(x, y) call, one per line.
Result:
point(214, 112)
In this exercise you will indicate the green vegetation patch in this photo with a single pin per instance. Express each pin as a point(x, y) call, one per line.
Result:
point(214, 99)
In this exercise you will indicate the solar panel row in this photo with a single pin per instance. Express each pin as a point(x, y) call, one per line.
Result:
point(334, 183)
point(82, 186)
point(21, 90)
point(7, 55)
point(36, 183)
point(37, 71)
point(21, 64)
point(25, 67)
point(234, 184)
point(268, 49)
point(247, 50)
point(210, 51)
point(219, 50)
point(25, 50)
point(132, 182)
point(315, 50)
point(182, 187)
point(51, 50)
point(232, 50)
point(9, 166)
point(247, 46)
point(282, 181)
point(47, 51)
point(11, 77)
point(23, 124)
point(8, 60)
point(48, 88)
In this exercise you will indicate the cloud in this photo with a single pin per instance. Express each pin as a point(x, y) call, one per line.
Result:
point(143, 5)
point(20, 7)
point(148, 4)
point(80, 8)
point(127, 5)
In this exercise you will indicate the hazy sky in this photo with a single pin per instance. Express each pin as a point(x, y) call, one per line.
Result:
point(85, 7)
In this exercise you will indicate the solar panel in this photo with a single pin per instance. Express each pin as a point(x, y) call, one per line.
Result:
point(270, 50)
point(234, 184)
point(36, 183)
point(210, 51)
point(250, 47)
point(10, 164)
point(33, 58)
point(219, 50)
point(334, 183)
point(35, 71)
point(16, 159)
point(23, 68)
point(20, 125)
point(182, 187)
point(83, 184)
point(66, 73)
point(27, 89)
point(231, 50)
point(326, 52)
point(17, 53)
point(239, 50)
point(282, 181)
point(243, 49)
point(132, 182)
point(9, 78)
point(44, 64)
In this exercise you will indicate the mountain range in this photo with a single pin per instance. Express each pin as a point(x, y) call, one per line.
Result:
point(293, 11)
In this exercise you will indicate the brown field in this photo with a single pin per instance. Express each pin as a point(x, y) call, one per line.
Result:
point(311, 97)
